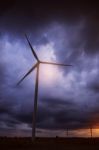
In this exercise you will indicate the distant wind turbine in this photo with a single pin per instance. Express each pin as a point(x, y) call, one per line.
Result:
point(67, 132)
point(91, 133)
point(36, 66)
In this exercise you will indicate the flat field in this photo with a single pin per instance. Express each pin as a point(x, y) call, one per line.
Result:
point(49, 144)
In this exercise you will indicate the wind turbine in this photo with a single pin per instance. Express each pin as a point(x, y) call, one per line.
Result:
point(36, 66)
point(67, 133)
point(91, 133)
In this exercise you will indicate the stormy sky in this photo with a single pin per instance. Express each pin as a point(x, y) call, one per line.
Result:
point(60, 31)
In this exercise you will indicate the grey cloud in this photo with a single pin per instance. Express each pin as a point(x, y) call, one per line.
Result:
point(94, 87)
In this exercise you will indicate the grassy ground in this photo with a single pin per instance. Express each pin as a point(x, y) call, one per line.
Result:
point(49, 144)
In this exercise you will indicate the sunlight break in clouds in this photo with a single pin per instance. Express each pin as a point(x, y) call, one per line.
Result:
point(48, 73)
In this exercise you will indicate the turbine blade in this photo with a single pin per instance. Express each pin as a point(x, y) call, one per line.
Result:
point(34, 53)
point(27, 73)
point(57, 64)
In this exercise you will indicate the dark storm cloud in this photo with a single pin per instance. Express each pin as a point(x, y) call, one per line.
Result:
point(59, 116)
point(62, 115)
point(5, 6)
point(94, 87)
point(31, 17)
point(93, 83)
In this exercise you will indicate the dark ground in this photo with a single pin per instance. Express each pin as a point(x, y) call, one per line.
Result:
point(49, 144)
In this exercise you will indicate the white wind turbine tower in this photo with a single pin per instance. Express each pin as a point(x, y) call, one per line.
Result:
point(36, 66)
